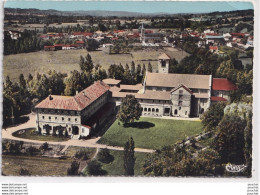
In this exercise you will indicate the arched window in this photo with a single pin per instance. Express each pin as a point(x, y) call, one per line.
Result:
point(157, 110)
point(145, 109)
point(175, 111)
point(153, 110)
point(149, 109)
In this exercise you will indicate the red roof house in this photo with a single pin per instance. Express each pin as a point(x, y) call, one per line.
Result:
point(221, 84)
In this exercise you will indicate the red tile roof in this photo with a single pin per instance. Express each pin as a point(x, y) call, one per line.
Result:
point(238, 34)
point(212, 34)
point(213, 47)
point(217, 99)
point(90, 94)
point(221, 84)
point(80, 42)
point(78, 102)
point(48, 46)
point(59, 102)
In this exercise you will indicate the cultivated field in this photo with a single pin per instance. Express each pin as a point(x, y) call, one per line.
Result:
point(67, 60)
point(36, 165)
point(151, 133)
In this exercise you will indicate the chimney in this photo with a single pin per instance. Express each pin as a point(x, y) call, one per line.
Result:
point(83, 92)
point(77, 92)
point(50, 97)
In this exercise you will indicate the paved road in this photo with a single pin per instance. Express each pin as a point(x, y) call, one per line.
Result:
point(92, 143)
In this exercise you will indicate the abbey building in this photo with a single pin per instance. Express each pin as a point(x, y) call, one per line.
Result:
point(161, 94)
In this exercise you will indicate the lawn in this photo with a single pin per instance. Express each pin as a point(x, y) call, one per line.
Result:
point(67, 60)
point(36, 165)
point(151, 133)
point(116, 167)
point(31, 134)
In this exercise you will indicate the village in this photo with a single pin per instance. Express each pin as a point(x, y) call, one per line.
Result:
point(167, 88)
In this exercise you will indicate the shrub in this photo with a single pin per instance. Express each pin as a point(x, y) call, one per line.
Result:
point(74, 168)
point(104, 156)
point(32, 151)
point(24, 172)
point(44, 146)
point(82, 154)
point(94, 168)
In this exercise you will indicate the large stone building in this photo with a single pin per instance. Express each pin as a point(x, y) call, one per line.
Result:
point(78, 114)
point(161, 94)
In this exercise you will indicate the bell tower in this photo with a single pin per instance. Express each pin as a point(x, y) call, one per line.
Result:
point(163, 63)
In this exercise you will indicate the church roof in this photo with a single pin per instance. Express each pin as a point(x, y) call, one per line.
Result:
point(164, 56)
point(174, 80)
point(182, 86)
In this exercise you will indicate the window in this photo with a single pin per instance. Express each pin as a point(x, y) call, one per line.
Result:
point(157, 110)
point(163, 63)
point(180, 103)
point(68, 119)
point(56, 118)
point(149, 109)
point(76, 119)
point(175, 111)
point(49, 118)
point(181, 92)
point(179, 108)
point(153, 110)
point(145, 109)
point(62, 118)
point(42, 117)
point(186, 112)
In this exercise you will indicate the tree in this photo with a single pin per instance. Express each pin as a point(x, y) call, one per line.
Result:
point(92, 45)
point(74, 169)
point(99, 73)
point(213, 116)
point(173, 62)
point(94, 168)
point(150, 68)
point(129, 157)
point(133, 68)
point(104, 156)
point(86, 64)
point(130, 110)
point(229, 141)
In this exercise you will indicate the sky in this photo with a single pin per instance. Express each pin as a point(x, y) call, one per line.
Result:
point(133, 6)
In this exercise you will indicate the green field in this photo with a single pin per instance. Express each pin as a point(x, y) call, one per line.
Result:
point(116, 167)
point(31, 134)
point(67, 60)
point(36, 165)
point(151, 133)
